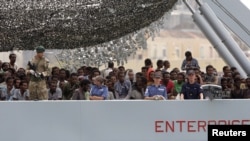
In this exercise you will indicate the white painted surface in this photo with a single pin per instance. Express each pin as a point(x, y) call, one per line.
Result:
point(116, 120)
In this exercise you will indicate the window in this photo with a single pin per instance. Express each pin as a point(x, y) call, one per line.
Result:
point(211, 54)
point(177, 52)
point(155, 53)
point(202, 52)
point(140, 57)
point(164, 53)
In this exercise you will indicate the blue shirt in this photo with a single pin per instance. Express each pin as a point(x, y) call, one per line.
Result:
point(99, 91)
point(153, 90)
point(191, 91)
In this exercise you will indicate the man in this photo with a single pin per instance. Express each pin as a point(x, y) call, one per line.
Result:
point(189, 62)
point(106, 71)
point(210, 77)
point(13, 64)
point(168, 83)
point(148, 63)
point(191, 89)
point(166, 66)
point(156, 91)
point(38, 69)
point(54, 92)
point(122, 87)
point(22, 93)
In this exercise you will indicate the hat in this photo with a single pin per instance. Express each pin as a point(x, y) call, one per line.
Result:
point(40, 49)
point(190, 72)
point(158, 75)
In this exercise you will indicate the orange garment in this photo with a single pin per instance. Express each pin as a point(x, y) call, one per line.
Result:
point(148, 72)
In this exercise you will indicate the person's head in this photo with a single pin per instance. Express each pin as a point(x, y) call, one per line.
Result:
point(121, 76)
point(177, 70)
point(40, 51)
point(52, 85)
point(54, 78)
point(151, 76)
point(138, 75)
point(188, 55)
point(110, 64)
point(80, 72)
point(210, 70)
point(173, 75)
point(121, 69)
point(96, 73)
point(157, 78)
point(99, 80)
point(191, 76)
point(223, 82)
point(237, 82)
point(144, 71)
point(113, 78)
point(17, 81)
point(226, 69)
point(73, 78)
point(166, 64)
point(130, 74)
point(141, 83)
point(109, 84)
point(55, 70)
point(166, 77)
point(62, 74)
point(159, 63)
point(248, 82)
point(230, 82)
point(21, 70)
point(85, 84)
point(115, 71)
point(23, 85)
point(180, 77)
point(12, 57)
point(87, 71)
point(9, 82)
point(234, 69)
point(5, 66)
point(148, 62)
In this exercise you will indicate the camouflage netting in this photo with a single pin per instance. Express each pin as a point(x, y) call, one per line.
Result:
point(68, 24)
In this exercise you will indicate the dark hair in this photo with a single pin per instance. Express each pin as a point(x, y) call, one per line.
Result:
point(73, 74)
point(22, 82)
point(96, 71)
point(147, 62)
point(144, 68)
point(181, 74)
point(11, 55)
point(9, 78)
point(16, 78)
point(84, 82)
point(209, 66)
point(110, 64)
point(159, 62)
point(139, 73)
point(165, 73)
point(225, 67)
point(188, 54)
point(165, 62)
point(144, 80)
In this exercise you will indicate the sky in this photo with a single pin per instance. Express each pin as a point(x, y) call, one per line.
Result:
point(246, 2)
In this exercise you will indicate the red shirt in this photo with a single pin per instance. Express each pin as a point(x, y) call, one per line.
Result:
point(169, 86)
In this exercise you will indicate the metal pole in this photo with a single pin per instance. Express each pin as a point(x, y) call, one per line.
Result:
point(225, 37)
point(216, 42)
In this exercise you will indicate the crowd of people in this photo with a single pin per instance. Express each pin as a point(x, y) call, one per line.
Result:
point(37, 81)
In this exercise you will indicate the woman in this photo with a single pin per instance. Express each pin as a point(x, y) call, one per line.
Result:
point(98, 90)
